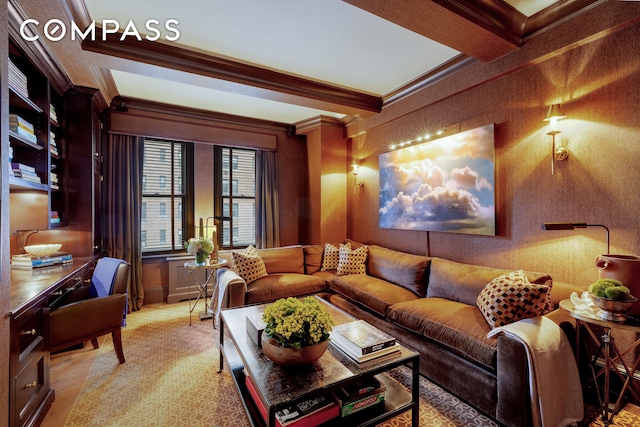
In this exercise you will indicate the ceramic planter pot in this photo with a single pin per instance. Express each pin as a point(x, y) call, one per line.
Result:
point(284, 356)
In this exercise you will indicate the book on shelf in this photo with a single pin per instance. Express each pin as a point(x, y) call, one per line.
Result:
point(17, 121)
point(22, 167)
point(27, 176)
point(301, 413)
point(17, 79)
point(28, 261)
point(24, 133)
point(361, 338)
point(52, 112)
point(354, 402)
point(360, 388)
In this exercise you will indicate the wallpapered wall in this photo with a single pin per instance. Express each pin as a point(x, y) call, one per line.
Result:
point(598, 84)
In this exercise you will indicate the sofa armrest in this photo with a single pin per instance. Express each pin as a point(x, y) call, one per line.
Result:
point(236, 288)
point(514, 406)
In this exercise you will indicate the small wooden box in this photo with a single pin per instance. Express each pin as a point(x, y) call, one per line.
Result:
point(255, 326)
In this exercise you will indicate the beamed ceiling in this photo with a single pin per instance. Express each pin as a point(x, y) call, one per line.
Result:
point(284, 61)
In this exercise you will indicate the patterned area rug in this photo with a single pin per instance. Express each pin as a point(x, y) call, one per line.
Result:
point(170, 379)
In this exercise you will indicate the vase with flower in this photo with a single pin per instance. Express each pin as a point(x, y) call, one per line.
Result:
point(201, 247)
point(296, 331)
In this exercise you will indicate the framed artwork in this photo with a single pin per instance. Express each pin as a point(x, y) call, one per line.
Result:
point(442, 185)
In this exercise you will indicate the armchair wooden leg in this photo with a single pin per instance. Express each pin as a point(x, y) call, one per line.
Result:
point(117, 344)
point(94, 341)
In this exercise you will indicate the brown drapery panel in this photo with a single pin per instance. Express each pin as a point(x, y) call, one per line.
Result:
point(122, 198)
point(267, 213)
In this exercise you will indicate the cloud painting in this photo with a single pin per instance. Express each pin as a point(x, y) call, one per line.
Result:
point(442, 185)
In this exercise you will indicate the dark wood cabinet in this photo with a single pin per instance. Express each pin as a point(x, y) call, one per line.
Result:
point(30, 392)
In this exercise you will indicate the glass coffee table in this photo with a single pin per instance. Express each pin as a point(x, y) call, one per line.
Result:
point(277, 386)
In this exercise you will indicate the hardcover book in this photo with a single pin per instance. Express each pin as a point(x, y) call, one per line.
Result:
point(362, 338)
point(304, 413)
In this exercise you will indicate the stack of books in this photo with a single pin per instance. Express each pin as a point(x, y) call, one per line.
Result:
point(25, 172)
point(53, 181)
point(363, 394)
point(55, 217)
point(29, 262)
point(362, 341)
point(301, 413)
point(22, 127)
point(53, 145)
point(53, 115)
point(17, 80)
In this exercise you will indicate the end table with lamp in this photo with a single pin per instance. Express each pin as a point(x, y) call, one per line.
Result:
point(203, 286)
point(587, 319)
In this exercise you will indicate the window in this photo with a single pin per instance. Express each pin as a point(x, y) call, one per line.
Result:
point(237, 196)
point(165, 194)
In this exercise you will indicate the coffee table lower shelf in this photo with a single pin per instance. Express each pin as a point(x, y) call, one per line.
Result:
point(397, 398)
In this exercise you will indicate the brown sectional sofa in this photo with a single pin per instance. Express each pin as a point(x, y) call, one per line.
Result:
point(428, 304)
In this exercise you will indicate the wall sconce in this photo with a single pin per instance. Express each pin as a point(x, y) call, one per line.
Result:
point(355, 165)
point(572, 226)
point(554, 114)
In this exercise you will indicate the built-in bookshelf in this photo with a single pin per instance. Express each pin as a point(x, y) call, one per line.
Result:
point(35, 120)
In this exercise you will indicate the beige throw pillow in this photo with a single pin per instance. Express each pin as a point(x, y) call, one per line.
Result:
point(510, 297)
point(249, 265)
point(352, 261)
point(330, 257)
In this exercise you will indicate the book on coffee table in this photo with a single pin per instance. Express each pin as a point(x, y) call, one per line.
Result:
point(301, 413)
point(363, 338)
point(362, 341)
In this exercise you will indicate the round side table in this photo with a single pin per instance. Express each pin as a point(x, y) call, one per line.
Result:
point(203, 286)
point(613, 360)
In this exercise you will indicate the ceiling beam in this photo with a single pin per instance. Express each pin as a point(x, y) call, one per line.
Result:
point(482, 29)
point(452, 28)
point(326, 97)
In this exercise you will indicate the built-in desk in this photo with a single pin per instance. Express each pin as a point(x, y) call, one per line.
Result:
point(30, 393)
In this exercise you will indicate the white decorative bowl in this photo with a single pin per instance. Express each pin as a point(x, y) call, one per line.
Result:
point(43, 250)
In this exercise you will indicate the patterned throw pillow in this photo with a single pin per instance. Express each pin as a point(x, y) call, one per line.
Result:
point(510, 297)
point(249, 265)
point(352, 261)
point(330, 257)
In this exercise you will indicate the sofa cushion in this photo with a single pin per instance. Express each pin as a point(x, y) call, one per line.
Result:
point(464, 282)
point(313, 258)
point(248, 264)
point(371, 292)
point(352, 261)
point(285, 259)
point(459, 327)
point(510, 297)
point(283, 285)
point(406, 270)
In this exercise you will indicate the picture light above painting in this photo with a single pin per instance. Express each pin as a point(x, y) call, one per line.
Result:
point(446, 185)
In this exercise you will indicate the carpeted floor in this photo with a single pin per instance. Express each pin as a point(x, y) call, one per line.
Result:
point(170, 379)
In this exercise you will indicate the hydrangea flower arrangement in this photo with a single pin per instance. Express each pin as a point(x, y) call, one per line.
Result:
point(297, 323)
point(195, 244)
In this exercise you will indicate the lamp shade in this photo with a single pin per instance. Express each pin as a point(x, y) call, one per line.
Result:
point(555, 112)
point(548, 226)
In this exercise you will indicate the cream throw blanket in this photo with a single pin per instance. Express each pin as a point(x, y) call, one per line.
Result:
point(556, 393)
point(219, 300)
